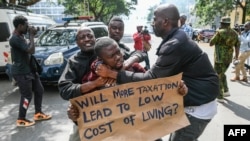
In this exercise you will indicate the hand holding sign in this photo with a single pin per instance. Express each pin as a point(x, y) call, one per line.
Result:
point(131, 111)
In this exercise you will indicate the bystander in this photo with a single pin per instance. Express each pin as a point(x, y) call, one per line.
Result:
point(225, 41)
point(27, 80)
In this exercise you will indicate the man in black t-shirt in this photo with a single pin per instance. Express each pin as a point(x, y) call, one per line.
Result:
point(27, 81)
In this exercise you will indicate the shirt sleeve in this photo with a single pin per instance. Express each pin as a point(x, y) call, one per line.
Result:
point(17, 42)
point(67, 88)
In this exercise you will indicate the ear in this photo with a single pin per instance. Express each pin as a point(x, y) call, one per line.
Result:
point(19, 26)
point(165, 21)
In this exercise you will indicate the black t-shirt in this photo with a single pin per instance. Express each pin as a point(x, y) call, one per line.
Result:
point(19, 55)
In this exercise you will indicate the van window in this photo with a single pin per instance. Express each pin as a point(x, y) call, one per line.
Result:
point(5, 32)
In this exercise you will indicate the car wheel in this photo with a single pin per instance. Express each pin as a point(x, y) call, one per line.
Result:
point(206, 40)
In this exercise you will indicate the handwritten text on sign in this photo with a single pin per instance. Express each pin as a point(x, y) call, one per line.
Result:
point(143, 110)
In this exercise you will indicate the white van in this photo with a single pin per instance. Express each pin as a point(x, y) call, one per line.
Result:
point(7, 14)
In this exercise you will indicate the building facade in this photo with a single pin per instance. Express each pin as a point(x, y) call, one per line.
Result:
point(51, 9)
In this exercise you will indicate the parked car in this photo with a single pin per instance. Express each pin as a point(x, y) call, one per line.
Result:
point(205, 35)
point(57, 44)
point(195, 34)
point(128, 40)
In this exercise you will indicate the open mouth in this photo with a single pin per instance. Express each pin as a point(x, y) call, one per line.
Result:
point(119, 64)
point(88, 45)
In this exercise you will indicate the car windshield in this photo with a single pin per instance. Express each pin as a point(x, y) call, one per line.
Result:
point(57, 37)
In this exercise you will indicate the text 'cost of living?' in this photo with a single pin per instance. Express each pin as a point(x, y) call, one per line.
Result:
point(143, 111)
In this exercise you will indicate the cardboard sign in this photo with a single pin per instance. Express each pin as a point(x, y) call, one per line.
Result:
point(138, 111)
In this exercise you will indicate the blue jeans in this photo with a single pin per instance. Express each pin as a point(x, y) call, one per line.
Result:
point(190, 132)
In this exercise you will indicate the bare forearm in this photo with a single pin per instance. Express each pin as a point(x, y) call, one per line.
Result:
point(134, 59)
point(88, 86)
point(31, 49)
point(236, 52)
point(32, 33)
point(130, 61)
point(113, 74)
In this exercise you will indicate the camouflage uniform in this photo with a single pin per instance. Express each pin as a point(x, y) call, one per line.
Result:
point(224, 40)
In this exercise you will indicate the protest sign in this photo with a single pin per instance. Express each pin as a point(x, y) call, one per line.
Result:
point(141, 111)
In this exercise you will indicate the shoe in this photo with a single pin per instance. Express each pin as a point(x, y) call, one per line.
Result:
point(244, 79)
point(24, 123)
point(41, 116)
point(226, 94)
point(235, 79)
point(159, 139)
point(220, 100)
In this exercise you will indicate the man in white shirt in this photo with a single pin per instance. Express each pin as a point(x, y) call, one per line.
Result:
point(244, 38)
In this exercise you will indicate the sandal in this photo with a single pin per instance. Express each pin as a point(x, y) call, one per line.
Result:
point(24, 123)
point(41, 116)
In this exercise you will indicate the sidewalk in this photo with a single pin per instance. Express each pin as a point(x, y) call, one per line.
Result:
point(235, 110)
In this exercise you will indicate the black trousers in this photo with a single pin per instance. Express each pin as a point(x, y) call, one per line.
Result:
point(29, 83)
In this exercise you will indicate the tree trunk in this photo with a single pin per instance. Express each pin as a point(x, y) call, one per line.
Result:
point(244, 11)
point(12, 1)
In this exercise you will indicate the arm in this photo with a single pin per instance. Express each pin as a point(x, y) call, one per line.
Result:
point(103, 71)
point(190, 32)
point(69, 85)
point(214, 39)
point(162, 68)
point(146, 37)
point(92, 85)
point(73, 113)
point(182, 88)
point(130, 61)
point(137, 36)
point(138, 56)
point(236, 49)
point(32, 33)
point(156, 71)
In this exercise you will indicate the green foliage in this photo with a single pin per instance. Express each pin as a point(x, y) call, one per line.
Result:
point(102, 10)
point(207, 10)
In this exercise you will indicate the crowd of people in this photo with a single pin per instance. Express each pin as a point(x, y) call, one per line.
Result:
point(227, 42)
point(231, 45)
point(107, 62)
